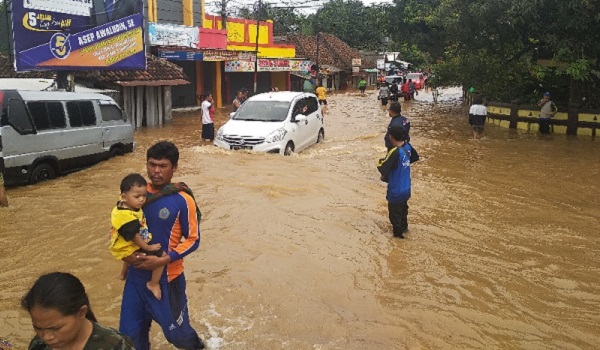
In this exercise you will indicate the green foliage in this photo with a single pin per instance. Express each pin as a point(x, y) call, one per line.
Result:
point(495, 45)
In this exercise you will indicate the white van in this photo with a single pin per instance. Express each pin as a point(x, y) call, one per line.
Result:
point(275, 122)
point(44, 134)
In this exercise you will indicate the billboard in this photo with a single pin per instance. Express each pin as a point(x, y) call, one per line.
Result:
point(173, 35)
point(78, 34)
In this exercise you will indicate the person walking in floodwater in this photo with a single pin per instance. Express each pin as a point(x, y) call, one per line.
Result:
point(397, 120)
point(173, 218)
point(477, 116)
point(62, 317)
point(548, 110)
point(362, 85)
point(395, 170)
point(384, 93)
point(3, 198)
point(237, 102)
point(208, 125)
point(321, 93)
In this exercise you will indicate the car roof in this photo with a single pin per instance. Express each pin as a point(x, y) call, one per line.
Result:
point(283, 96)
point(61, 96)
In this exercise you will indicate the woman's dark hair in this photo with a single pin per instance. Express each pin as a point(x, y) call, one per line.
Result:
point(477, 100)
point(164, 150)
point(132, 180)
point(60, 291)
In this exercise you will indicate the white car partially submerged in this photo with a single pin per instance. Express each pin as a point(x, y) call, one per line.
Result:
point(281, 122)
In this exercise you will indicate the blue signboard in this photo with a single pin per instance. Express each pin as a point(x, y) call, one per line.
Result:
point(180, 55)
point(78, 34)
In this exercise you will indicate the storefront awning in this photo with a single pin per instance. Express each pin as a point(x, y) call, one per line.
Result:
point(152, 82)
point(330, 69)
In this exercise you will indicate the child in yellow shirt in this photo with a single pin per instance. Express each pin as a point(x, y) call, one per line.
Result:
point(129, 232)
point(321, 93)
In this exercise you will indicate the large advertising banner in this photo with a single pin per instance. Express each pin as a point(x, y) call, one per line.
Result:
point(78, 34)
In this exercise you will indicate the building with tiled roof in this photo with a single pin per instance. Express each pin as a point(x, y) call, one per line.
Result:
point(334, 57)
point(143, 94)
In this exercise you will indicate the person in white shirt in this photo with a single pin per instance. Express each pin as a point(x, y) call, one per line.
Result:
point(477, 116)
point(208, 126)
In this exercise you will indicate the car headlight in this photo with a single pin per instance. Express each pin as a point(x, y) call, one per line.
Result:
point(276, 135)
point(220, 135)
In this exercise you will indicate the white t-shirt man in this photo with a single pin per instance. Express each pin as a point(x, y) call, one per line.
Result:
point(206, 117)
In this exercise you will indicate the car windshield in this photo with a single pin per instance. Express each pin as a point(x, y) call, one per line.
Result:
point(391, 79)
point(414, 76)
point(263, 111)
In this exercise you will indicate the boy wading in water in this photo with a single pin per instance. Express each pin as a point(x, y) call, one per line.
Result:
point(395, 170)
point(129, 232)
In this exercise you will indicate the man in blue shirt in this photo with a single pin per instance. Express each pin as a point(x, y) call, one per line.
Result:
point(397, 120)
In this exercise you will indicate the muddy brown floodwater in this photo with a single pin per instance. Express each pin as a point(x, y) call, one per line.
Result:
point(297, 252)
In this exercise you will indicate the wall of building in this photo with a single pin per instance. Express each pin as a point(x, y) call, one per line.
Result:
point(241, 36)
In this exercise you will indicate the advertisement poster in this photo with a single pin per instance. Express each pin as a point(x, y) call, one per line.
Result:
point(78, 34)
point(225, 55)
point(356, 61)
point(268, 65)
point(172, 35)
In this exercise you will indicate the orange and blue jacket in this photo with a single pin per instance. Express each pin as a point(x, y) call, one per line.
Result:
point(174, 224)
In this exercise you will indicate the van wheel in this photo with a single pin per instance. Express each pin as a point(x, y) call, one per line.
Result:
point(116, 151)
point(321, 136)
point(289, 149)
point(42, 172)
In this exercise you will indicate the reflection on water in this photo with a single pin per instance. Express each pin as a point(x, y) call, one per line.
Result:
point(297, 252)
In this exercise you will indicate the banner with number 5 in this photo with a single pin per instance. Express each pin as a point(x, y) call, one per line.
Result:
point(78, 34)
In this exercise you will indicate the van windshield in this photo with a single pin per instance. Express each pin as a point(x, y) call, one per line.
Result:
point(413, 76)
point(263, 111)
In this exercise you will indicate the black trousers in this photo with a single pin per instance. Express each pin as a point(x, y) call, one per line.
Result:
point(545, 125)
point(398, 217)
point(384, 101)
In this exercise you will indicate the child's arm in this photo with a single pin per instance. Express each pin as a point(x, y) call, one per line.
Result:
point(139, 241)
point(387, 164)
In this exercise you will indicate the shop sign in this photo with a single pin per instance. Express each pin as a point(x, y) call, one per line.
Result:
point(226, 55)
point(180, 55)
point(355, 69)
point(172, 35)
point(269, 65)
point(274, 65)
point(239, 66)
point(77, 35)
point(381, 63)
point(356, 61)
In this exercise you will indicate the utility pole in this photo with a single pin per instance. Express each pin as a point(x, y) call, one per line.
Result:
point(258, 9)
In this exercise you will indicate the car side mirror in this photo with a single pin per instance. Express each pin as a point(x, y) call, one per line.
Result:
point(300, 118)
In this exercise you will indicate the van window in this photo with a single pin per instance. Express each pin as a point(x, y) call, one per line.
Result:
point(111, 112)
point(81, 113)
point(18, 117)
point(47, 115)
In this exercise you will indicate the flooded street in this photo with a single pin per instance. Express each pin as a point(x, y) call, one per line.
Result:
point(297, 252)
